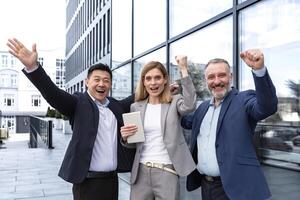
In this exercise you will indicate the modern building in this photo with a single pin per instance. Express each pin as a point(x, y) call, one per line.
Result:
point(128, 33)
point(60, 77)
point(19, 98)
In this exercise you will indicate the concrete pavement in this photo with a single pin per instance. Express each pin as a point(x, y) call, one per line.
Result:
point(31, 174)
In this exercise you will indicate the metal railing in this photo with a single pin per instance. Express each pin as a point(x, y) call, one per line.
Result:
point(40, 133)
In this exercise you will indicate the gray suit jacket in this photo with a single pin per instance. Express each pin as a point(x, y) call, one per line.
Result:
point(171, 129)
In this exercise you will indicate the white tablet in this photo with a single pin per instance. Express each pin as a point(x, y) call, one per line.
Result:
point(135, 118)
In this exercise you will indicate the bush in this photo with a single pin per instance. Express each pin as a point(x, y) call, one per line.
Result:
point(55, 114)
point(50, 112)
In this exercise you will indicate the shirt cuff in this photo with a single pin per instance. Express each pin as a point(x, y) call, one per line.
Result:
point(31, 70)
point(260, 72)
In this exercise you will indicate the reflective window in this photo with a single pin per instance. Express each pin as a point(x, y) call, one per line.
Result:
point(9, 100)
point(273, 26)
point(159, 55)
point(149, 24)
point(189, 13)
point(13, 61)
point(36, 100)
point(13, 80)
point(121, 84)
point(200, 47)
point(121, 31)
point(8, 122)
point(4, 60)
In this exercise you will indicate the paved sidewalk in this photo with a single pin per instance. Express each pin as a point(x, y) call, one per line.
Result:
point(31, 174)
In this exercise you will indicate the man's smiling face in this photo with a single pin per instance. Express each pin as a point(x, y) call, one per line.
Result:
point(218, 79)
point(99, 84)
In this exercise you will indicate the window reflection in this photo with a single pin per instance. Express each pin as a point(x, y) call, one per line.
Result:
point(121, 84)
point(159, 55)
point(273, 27)
point(149, 24)
point(198, 12)
point(200, 47)
point(121, 31)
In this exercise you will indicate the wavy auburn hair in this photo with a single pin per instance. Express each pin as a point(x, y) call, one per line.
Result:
point(141, 92)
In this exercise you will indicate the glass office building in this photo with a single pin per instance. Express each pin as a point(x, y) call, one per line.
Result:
point(128, 33)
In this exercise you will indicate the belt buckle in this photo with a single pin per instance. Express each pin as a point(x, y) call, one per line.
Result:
point(155, 165)
point(209, 178)
point(158, 165)
point(149, 164)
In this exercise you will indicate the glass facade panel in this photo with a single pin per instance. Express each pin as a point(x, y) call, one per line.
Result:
point(273, 27)
point(121, 84)
point(198, 12)
point(159, 55)
point(149, 24)
point(200, 47)
point(121, 31)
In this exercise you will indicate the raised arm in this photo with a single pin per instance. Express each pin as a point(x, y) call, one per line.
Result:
point(187, 101)
point(263, 102)
point(57, 98)
point(182, 64)
point(27, 57)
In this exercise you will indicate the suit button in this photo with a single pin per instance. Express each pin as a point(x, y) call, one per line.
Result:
point(220, 163)
point(217, 145)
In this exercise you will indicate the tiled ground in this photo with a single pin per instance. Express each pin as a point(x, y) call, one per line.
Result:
point(31, 174)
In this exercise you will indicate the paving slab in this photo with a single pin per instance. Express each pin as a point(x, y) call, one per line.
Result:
point(31, 174)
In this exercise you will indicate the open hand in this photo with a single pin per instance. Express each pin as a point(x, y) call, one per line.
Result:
point(128, 130)
point(27, 57)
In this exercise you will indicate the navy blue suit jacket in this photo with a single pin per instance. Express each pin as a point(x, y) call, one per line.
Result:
point(240, 171)
point(84, 119)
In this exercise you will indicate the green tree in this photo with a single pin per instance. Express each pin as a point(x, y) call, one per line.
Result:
point(196, 71)
point(50, 112)
point(55, 114)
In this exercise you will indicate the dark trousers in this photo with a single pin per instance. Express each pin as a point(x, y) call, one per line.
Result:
point(100, 188)
point(212, 190)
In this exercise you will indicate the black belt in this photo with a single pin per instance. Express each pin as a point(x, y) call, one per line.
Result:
point(92, 174)
point(211, 178)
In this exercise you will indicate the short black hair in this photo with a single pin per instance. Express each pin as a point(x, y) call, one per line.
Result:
point(99, 66)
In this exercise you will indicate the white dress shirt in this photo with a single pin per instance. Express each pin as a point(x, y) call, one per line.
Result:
point(104, 157)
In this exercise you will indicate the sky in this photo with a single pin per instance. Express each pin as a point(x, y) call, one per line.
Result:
point(33, 21)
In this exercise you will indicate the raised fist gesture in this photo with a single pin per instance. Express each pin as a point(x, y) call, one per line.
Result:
point(254, 58)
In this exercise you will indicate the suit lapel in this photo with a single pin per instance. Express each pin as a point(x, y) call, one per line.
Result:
point(95, 110)
point(116, 111)
point(141, 106)
point(163, 116)
point(225, 105)
point(202, 111)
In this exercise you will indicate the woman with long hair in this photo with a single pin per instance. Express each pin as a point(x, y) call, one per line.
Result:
point(164, 155)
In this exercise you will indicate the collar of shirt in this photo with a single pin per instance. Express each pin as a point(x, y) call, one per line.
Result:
point(105, 104)
point(212, 101)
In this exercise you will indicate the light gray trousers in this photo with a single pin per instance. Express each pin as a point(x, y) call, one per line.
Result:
point(155, 184)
